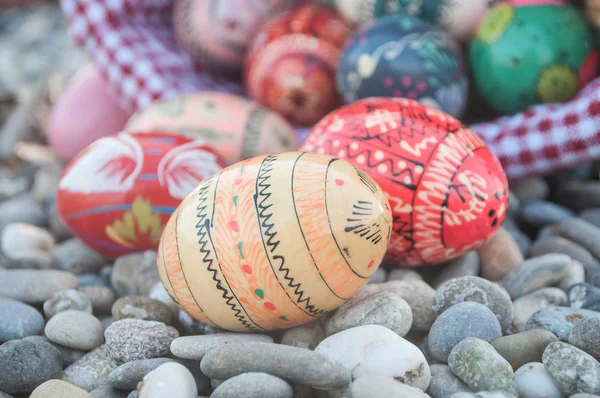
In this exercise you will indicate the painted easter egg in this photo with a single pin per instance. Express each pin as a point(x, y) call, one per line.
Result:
point(362, 12)
point(448, 192)
point(237, 128)
point(216, 33)
point(290, 65)
point(402, 56)
point(461, 18)
point(118, 193)
point(274, 241)
point(529, 54)
point(592, 12)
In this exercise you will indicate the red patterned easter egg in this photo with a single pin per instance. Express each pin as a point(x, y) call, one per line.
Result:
point(448, 192)
point(118, 193)
point(290, 65)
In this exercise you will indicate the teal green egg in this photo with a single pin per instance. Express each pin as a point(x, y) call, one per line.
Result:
point(362, 12)
point(531, 54)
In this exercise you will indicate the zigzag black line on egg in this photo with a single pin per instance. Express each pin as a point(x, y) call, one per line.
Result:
point(205, 240)
point(262, 191)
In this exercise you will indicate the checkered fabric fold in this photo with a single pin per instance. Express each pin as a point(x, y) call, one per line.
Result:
point(132, 43)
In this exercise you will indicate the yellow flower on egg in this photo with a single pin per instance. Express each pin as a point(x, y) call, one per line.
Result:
point(139, 227)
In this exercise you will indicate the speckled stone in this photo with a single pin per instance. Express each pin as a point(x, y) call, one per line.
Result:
point(382, 308)
point(585, 295)
point(444, 383)
point(572, 369)
point(468, 319)
point(544, 271)
point(195, 347)
point(466, 265)
point(533, 381)
point(171, 380)
point(499, 255)
point(558, 244)
point(585, 335)
point(558, 320)
point(73, 256)
point(128, 375)
point(529, 304)
point(141, 307)
point(58, 389)
point(102, 298)
point(26, 365)
point(539, 213)
point(75, 329)
point(478, 290)
point(67, 300)
point(92, 370)
point(419, 296)
point(133, 339)
point(18, 320)
point(135, 274)
point(380, 386)
point(66, 355)
point(521, 348)
point(253, 385)
point(306, 336)
point(34, 286)
point(478, 364)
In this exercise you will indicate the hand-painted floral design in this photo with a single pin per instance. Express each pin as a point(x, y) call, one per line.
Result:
point(138, 227)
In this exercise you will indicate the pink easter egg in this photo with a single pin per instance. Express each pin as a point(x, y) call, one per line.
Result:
point(85, 112)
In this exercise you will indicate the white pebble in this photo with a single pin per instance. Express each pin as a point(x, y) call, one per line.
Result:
point(171, 380)
point(533, 381)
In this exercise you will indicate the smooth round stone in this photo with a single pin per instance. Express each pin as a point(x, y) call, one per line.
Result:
point(128, 375)
point(168, 380)
point(586, 296)
point(529, 304)
point(102, 298)
point(58, 388)
point(591, 215)
point(193, 326)
point(572, 369)
point(379, 276)
point(579, 195)
point(75, 329)
point(558, 320)
point(444, 383)
point(135, 274)
point(400, 274)
point(34, 286)
point(584, 395)
point(91, 280)
point(533, 381)
point(26, 365)
point(557, 244)
point(20, 241)
point(522, 239)
point(581, 232)
point(92, 370)
point(499, 255)
point(463, 320)
point(382, 308)
point(419, 296)
point(521, 348)
point(133, 339)
point(305, 336)
point(381, 386)
point(18, 320)
point(67, 300)
point(467, 265)
point(107, 391)
point(585, 335)
point(34, 259)
point(532, 188)
point(66, 355)
point(373, 350)
point(543, 271)
point(478, 364)
point(195, 347)
point(253, 385)
point(141, 307)
point(539, 213)
point(22, 208)
point(478, 290)
point(290, 363)
point(484, 394)
point(73, 256)
point(158, 292)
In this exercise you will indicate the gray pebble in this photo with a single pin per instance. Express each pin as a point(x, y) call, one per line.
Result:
point(290, 363)
point(66, 355)
point(381, 386)
point(106, 321)
point(91, 280)
point(158, 292)
point(532, 188)
point(75, 329)
point(539, 213)
point(66, 300)
point(57, 226)
point(531, 303)
point(92, 370)
point(382, 308)
point(35, 259)
point(18, 320)
point(305, 336)
point(585, 335)
point(543, 271)
point(463, 320)
point(479, 290)
point(584, 395)
point(478, 364)
point(379, 276)
point(484, 394)
point(141, 307)
point(195, 347)
point(128, 375)
point(586, 296)
point(400, 274)
point(521, 348)
point(523, 241)
point(133, 339)
point(168, 380)
point(26, 365)
point(514, 204)
point(73, 256)
point(133, 394)
point(107, 391)
point(193, 326)
point(34, 286)
point(581, 232)
point(572, 369)
point(467, 265)
point(102, 298)
point(591, 215)
point(253, 385)
point(135, 274)
point(444, 383)
point(579, 195)
point(419, 296)
point(22, 208)
point(558, 244)
point(202, 382)
point(558, 320)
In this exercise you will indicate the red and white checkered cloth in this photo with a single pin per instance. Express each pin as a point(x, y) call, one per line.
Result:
point(132, 43)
